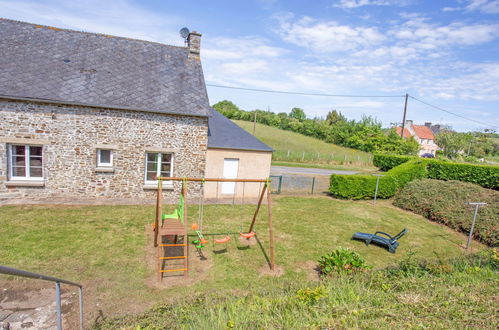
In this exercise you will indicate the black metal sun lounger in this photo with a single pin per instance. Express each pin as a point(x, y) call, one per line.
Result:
point(390, 242)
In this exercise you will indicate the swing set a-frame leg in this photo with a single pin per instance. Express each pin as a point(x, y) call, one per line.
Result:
point(257, 208)
point(271, 229)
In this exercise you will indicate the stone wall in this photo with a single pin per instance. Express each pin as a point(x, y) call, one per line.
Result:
point(71, 135)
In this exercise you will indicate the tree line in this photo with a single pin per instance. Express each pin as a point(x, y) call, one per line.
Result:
point(365, 134)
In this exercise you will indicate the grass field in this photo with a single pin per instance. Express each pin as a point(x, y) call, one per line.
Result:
point(298, 148)
point(105, 248)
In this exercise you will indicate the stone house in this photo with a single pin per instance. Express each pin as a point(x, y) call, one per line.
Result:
point(422, 134)
point(86, 115)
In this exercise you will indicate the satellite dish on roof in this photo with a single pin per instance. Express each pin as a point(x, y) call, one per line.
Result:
point(184, 32)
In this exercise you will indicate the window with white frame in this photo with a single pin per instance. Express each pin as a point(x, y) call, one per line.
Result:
point(104, 158)
point(158, 165)
point(25, 162)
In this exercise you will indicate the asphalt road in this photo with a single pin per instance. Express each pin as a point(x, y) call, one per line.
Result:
point(280, 170)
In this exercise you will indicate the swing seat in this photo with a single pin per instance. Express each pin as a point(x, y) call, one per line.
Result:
point(248, 235)
point(222, 240)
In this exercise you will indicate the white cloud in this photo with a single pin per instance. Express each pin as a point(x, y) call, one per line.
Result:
point(242, 47)
point(328, 36)
point(349, 4)
point(484, 6)
point(120, 18)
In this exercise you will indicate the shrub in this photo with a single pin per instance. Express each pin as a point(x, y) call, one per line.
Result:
point(341, 260)
point(363, 186)
point(447, 203)
point(311, 296)
point(484, 175)
point(387, 162)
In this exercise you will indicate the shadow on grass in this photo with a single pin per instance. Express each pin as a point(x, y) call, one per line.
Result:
point(262, 249)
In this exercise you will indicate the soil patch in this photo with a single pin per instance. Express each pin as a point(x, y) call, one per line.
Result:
point(311, 269)
point(266, 271)
point(198, 260)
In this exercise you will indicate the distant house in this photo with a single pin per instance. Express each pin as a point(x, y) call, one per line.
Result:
point(422, 134)
point(87, 115)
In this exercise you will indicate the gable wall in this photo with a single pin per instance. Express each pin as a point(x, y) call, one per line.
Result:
point(70, 136)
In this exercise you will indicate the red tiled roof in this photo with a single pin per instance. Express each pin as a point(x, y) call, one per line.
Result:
point(407, 134)
point(423, 132)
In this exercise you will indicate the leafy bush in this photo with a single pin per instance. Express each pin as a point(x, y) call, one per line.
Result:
point(341, 260)
point(311, 296)
point(484, 175)
point(447, 203)
point(363, 186)
point(387, 162)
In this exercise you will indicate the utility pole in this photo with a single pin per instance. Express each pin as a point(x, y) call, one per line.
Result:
point(254, 124)
point(403, 120)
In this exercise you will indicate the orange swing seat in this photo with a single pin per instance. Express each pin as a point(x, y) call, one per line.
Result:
point(248, 235)
point(222, 240)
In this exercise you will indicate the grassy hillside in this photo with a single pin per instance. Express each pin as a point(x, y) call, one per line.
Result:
point(295, 147)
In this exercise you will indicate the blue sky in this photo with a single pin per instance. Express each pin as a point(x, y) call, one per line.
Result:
point(443, 52)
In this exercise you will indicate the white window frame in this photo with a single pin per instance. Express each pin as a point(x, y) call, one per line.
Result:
point(101, 164)
point(27, 161)
point(158, 170)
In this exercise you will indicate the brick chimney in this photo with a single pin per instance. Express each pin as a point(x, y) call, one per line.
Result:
point(194, 44)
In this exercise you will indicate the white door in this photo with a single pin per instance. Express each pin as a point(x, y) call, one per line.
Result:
point(230, 172)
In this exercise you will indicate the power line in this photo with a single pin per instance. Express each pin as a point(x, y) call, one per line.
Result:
point(452, 113)
point(353, 96)
point(299, 93)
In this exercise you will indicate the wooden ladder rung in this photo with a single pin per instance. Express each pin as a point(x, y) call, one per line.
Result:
point(179, 257)
point(173, 245)
point(172, 270)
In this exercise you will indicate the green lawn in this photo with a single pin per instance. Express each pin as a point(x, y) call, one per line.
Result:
point(105, 247)
point(294, 147)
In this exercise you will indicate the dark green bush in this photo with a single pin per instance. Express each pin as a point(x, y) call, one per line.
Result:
point(447, 202)
point(387, 162)
point(363, 186)
point(341, 260)
point(484, 175)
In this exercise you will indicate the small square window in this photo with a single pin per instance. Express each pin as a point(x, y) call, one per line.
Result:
point(104, 157)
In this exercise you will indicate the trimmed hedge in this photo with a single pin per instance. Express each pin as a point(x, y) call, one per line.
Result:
point(387, 162)
point(363, 186)
point(484, 175)
point(447, 202)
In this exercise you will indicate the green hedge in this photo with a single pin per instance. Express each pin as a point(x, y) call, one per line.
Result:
point(363, 186)
point(484, 175)
point(447, 203)
point(387, 162)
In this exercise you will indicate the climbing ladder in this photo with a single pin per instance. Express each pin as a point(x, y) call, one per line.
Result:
point(172, 247)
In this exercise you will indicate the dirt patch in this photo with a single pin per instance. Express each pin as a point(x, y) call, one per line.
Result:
point(200, 262)
point(248, 241)
point(311, 269)
point(265, 270)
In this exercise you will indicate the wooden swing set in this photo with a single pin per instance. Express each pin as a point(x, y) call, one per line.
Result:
point(175, 225)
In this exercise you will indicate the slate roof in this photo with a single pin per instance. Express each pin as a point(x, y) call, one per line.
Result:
point(41, 62)
point(224, 134)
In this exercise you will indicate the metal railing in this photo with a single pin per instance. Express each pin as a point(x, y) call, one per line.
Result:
point(58, 281)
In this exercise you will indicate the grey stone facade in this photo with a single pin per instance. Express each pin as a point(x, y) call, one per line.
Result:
point(71, 135)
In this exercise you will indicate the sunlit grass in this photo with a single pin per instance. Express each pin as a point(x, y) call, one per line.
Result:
point(104, 247)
